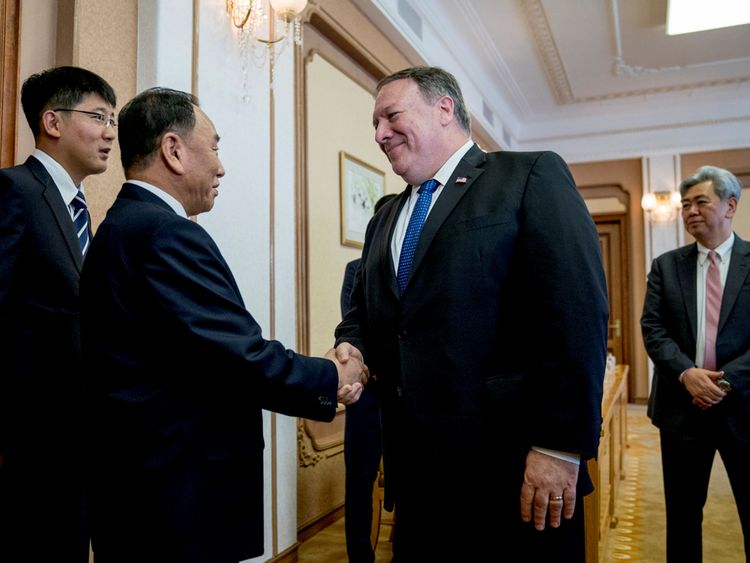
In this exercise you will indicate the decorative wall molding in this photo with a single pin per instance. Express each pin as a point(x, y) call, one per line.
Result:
point(306, 453)
point(620, 67)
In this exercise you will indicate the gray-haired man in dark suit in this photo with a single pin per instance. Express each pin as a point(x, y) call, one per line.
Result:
point(697, 333)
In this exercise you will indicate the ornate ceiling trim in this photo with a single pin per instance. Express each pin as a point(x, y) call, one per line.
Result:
point(548, 50)
point(630, 130)
point(662, 90)
point(558, 78)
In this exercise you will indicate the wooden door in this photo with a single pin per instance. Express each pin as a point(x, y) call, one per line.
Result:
point(9, 18)
point(612, 231)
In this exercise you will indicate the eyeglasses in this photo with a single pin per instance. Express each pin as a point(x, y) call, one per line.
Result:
point(100, 117)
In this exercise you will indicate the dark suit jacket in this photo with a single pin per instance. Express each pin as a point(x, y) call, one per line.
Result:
point(347, 286)
point(669, 328)
point(40, 356)
point(499, 340)
point(179, 373)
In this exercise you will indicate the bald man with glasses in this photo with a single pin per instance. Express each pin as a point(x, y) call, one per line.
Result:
point(44, 235)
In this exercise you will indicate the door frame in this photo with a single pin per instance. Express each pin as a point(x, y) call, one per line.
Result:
point(10, 14)
point(622, 221)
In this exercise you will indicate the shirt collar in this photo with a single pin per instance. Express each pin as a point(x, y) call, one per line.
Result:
point(445, 171)
point(60, 176)
point(723, 250)
point(161, 194)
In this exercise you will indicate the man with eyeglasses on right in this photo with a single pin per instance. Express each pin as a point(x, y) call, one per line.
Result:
point(44, 235)
point(696, 328)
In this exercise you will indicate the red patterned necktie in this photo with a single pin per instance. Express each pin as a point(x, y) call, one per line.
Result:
point(713, 306)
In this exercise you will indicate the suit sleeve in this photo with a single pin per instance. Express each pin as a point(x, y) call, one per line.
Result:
point(353, 326)
point(669, 359)
point(737, 372)
point(192, 285)
point(346, 289)
point(12, 223)
point(567, 309)
point(736, 331)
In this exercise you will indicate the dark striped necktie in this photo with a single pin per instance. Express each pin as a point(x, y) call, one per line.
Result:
point(81, 220)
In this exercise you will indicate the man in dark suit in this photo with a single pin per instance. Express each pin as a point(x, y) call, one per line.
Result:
point(696, 328)
point(362, 446)
point(178, 368)
point(44, 232)
point(486, 334)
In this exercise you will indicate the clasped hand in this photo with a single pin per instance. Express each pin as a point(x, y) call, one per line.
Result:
point(353, 372)
point(701, 384)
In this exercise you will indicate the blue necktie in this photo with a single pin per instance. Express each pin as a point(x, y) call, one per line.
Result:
point(81, 220)
point(413, 230)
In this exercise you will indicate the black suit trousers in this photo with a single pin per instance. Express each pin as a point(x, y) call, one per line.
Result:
point(43, 507)
point(687, 458)
point(362, 452)
point(489, 525)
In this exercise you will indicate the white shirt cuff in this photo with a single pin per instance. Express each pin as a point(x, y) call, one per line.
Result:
point(679, 378)
point(565, 456)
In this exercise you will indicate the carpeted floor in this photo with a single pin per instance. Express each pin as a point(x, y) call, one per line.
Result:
point(640, 533)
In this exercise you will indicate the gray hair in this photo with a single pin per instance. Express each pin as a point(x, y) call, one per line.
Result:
point(725, 183)
point(434, 83)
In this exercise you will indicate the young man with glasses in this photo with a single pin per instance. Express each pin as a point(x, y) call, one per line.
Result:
point(44, 235)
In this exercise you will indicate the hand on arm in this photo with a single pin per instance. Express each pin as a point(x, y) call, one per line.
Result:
point(701, 384)
point(544, 479)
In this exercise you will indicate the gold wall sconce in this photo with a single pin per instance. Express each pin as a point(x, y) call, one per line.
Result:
point(662, 207)
point(269, 21)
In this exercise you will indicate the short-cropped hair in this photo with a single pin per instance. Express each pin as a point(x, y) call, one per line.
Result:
point(145, 119)
point(60, 87)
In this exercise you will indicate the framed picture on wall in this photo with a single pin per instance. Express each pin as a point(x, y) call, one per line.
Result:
point(361, 185)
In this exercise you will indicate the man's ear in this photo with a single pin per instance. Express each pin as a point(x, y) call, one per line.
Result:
point(732, 207)
point(51, 124)
point(446, 105)
point(173, 152)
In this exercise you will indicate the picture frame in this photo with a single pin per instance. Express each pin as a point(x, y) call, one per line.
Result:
point(360, 186)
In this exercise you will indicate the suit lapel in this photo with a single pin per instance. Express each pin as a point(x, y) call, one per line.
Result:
point(385, 242)
point(59, 210)
point(739, 267)
point(686, 272)
point(469, 169)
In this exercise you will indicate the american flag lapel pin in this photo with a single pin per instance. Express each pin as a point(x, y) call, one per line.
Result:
point(461, 180)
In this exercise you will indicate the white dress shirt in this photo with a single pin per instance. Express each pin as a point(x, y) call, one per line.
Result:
point(64, 183)
point(442, 176)
point(161, 194)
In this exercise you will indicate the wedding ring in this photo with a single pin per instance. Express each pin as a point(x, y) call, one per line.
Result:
point(556, 498)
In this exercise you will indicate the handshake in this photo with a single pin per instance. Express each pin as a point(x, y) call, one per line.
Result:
point(353, 372)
